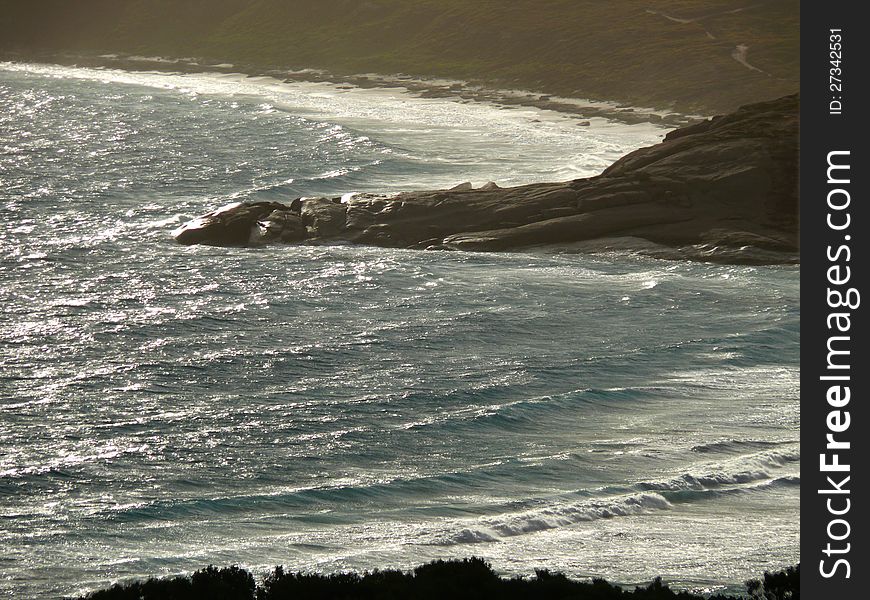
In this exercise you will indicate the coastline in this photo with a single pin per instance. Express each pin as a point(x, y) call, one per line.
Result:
point(682, 56)
point(677, 212)
point(722, 190)
point(581, 109)
point(176, 350)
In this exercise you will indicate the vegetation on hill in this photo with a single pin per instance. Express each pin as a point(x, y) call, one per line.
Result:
point(471, 579)
point(691, 55)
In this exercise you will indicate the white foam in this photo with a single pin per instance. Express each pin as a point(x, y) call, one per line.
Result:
point(484, 141)
point(552, 517)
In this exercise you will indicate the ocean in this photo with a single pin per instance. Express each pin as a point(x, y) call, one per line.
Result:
point(163, 408)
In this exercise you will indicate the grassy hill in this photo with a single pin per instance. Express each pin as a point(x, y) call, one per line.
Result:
point(683, 54)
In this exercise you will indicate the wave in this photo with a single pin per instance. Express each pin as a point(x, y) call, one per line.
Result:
point(749, 474)
point(742, 470)
point(539, 411)
point(692, 495)
point(732, 446)
point(300, 499)
point(491, 530)
point(755, 475)
point(16, 480)
point(472, 481)
point(706, 481)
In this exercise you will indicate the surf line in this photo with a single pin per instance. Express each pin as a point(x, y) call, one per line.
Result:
point(841, 300)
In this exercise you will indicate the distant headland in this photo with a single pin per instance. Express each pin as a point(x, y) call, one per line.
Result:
point(722, 190)
point(691, 57)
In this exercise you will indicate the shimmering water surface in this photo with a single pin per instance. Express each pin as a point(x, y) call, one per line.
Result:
point(164, 407)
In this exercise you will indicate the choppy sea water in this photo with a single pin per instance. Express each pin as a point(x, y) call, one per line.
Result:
point(337, 407)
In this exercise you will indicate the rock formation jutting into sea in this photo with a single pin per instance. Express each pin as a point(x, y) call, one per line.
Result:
point(722, 190)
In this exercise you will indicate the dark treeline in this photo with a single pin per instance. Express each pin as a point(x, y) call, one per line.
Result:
point(471, 579)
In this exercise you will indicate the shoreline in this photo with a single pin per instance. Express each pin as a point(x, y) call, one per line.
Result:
point(461, 91)
point(684, 56)
point(693, 196)
point(722, 190)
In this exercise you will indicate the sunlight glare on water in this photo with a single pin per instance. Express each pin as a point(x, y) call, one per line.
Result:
point(336, 407)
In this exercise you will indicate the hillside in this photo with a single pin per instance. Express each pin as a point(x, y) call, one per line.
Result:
point(690, 55)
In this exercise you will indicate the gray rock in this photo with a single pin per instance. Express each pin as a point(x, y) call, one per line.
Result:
point(231, 225)
point(323, 217)
point(723, 189)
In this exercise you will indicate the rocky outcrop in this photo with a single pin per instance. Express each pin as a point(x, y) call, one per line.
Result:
point(725, 189)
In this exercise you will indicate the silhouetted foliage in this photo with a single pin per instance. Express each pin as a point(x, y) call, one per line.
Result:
point(466, 579)
point(782, 585)
point(211, 583)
